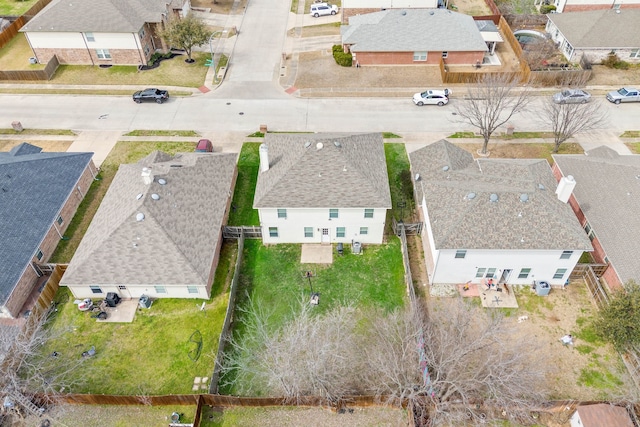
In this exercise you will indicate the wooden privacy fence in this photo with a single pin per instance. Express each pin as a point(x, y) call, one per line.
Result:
point(44, 74)
point(11, 31)
point(224, 334)
point(247, 232)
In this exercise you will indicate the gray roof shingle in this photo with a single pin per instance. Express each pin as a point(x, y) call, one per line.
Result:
point(608, 192)
point(99, 16)
point(411, 30)
point(348, 171)
point(34, 187)
point(599, 28)
point(462, 220)
point(175, 242)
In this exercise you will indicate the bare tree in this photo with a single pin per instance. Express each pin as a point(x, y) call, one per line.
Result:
point(479, 369)
point(566, 120)
point(491, 103)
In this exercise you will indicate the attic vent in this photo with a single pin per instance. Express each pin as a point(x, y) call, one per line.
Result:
point(337, 144)
point(431, 13)
point(139, 216)
point(418, 177)
point(162, 181)
point(319, 146)
point(176, 166)
point(139, 196)
point(637, 176)
point(307, 144)
point(524, 197)
point(471, 196)
point(154, 196)
point(404, 12)
point(493, 198)
point(446, 168)
point(540, 187)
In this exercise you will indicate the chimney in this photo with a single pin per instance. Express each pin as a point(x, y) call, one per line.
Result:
point(264, 158)
point(565, 188)
point(147, 178)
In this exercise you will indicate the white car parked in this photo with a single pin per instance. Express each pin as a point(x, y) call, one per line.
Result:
point(432, 97)
point(322, 9)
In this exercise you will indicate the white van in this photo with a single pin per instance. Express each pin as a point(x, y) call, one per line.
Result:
point(321, 9)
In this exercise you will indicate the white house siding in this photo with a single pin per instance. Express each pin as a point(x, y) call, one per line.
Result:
point(388, 4)
point(41, 40)
point(543, 265)
point(136, 291)
point(292, 228)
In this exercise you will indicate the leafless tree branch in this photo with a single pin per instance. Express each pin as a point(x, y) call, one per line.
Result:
point(566, 120)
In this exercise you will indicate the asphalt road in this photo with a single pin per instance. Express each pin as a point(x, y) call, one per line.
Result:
point(222, 112)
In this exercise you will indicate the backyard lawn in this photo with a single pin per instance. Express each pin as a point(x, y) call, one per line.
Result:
point(15, 7)
point(151, 355)
point(15, 54)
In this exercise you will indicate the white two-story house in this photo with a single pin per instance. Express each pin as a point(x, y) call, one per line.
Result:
point(322, 188)
point(501, 219)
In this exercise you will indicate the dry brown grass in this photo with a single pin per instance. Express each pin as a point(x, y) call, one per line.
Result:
point(608, 76)
point(58, 146)
point(523, 150)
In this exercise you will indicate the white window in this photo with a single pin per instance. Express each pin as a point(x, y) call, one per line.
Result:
point(308, 232)
point(340, 231)
point(524, 273)
point(160, 289)
point(103, 54)
point(60, 220)
point(461, 253)
point(491, 273)
point(364, 230)
point(39, 255)
point(566, 254)
point(273, 231)
point(141, 33)
point(419, 56)
point(368, 213)
point(480, 272)
point(635, 53)
point(192, 289)
point(282, 213)
point(90, 37)
point(560, 273)
point(333, 213)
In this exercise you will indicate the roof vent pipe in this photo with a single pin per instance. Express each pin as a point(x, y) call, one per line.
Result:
point(264, 158)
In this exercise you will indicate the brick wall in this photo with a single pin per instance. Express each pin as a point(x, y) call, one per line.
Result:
point(406, 58)
point(89, 57)
point(584, 7)
point(48, 245)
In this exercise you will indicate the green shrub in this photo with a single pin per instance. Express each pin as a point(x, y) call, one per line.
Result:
point(546, 8)
point(342, 58)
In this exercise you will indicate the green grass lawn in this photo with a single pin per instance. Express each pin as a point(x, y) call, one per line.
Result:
point(400, 182)
point(242, 212)
point(148, 356)
point(15, 7)
point(123, 152)
point(162, 133)
point(15, 54)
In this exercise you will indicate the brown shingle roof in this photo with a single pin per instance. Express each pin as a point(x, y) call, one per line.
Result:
point(176, 241)
point(604, 415)
point(458, 191)
point(348, 171)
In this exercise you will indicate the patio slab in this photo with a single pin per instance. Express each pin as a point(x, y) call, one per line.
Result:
point(494, 299)
point(316, 254)
point(121, 313)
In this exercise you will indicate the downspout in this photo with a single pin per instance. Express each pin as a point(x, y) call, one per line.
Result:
point(139, 47)
point(31, 46)
point(87, 46)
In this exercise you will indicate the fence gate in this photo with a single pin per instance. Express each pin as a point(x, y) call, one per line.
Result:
point(229, 232)
point(410, 229)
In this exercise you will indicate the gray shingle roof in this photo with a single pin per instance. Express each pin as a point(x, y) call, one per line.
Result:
point(175, 243)
point(34, 186)
point(411, 30)
point(599, 28)
point(608, 191)
point(460, 220)
point(353, 174)
point(99, 16)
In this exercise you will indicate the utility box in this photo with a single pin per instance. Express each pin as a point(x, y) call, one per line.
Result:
point(340, 249)
point(542, 288)
point(17, 126)
point(144, 301)
point(356, 248)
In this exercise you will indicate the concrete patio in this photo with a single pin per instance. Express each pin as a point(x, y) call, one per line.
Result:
point(316, 254)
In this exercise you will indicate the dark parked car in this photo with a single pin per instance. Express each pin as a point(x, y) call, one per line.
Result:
point(153, 94)
point(204, 146)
